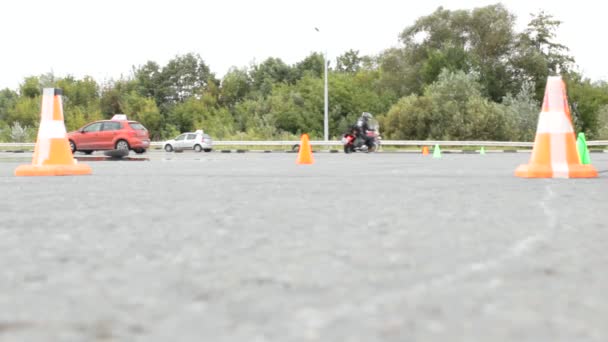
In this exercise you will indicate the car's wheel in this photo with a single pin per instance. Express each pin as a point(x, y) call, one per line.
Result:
point(122, 145)
point(87, 152)
point(198, 148)
point(140, 150)
point(168, 148)
point(207, 149)
point(72, 146)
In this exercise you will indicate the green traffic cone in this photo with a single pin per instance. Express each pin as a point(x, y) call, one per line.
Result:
point(436, 151)
point(482, 150)
point(580, 148)
point(583, 151)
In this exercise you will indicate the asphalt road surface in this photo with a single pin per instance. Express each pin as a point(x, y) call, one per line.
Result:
point(252, 247)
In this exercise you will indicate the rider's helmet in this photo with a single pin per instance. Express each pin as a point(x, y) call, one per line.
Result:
point(364, 119)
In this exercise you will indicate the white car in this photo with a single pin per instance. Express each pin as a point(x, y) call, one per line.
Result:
point(197, 141)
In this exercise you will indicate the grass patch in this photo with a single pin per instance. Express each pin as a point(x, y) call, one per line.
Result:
point(16, 148)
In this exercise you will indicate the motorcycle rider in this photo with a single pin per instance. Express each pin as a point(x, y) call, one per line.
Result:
point(363, 127)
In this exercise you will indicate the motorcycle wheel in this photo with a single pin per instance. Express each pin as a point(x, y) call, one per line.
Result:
point(348, 149)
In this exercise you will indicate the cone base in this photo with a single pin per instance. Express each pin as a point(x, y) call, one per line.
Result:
point(545, 171)
point(53, 170)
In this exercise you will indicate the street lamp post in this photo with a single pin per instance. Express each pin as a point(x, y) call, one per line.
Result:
point(325, 122)
point(326, 95)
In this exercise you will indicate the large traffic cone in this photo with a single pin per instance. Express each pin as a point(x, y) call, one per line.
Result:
point(554, 154)
point(425, 150)
point(436, 151)
point(305, 152)
point(583, 150)
point(52, 154)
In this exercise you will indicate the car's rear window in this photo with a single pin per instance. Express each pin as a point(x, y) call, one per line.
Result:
point(137, 126)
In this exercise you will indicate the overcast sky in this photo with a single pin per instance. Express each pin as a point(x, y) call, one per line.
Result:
point(104, 39)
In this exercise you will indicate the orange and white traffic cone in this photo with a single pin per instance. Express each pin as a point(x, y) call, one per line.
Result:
point(305, 152)
point(52, 154)
point(554, 154)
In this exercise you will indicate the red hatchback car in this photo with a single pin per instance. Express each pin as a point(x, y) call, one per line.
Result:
point(116, 134)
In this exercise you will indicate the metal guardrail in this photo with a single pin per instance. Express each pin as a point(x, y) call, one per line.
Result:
point(338, 143)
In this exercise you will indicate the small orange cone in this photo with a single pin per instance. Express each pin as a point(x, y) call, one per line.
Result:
point(554, 154)
point(305, 153)
point(425, 151)
point(52, 154)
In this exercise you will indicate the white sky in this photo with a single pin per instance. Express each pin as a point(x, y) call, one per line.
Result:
point(104, 39)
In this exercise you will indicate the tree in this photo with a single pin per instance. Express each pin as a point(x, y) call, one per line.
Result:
point(398, 75)
point(183, 77)
point(76, 117)
point(432, 43)
point(19, 133)
point(452, 108)
point(311, 65)
point(113, 94)
point(81, 101)
point(272, 71)
point(491, 37)
point(478, 40)
point(254, 120)
point(540, 34)
point(409, 118)
point(350, 95)
point(30, 87)
point(298, 108)
point(83, 92)
point(144, 110)
point(110, 101)
point(7, 102)
point(5, 132)
point(536, 55)
point(149, 81)
point(435, 30)
point(586, 99)
point(26, 111)
point(602, 132)
point(522, 112)
point(235, 87)
point(449, 57)
point(203, 112)
point(450, 96)
point(349, 62)
point(47, 80)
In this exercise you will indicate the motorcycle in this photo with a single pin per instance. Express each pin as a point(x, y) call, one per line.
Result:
point(353, 142)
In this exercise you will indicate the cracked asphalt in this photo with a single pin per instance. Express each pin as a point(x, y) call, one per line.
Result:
point(252, 247)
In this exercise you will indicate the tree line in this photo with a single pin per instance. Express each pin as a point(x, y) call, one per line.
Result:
point(456, 75)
